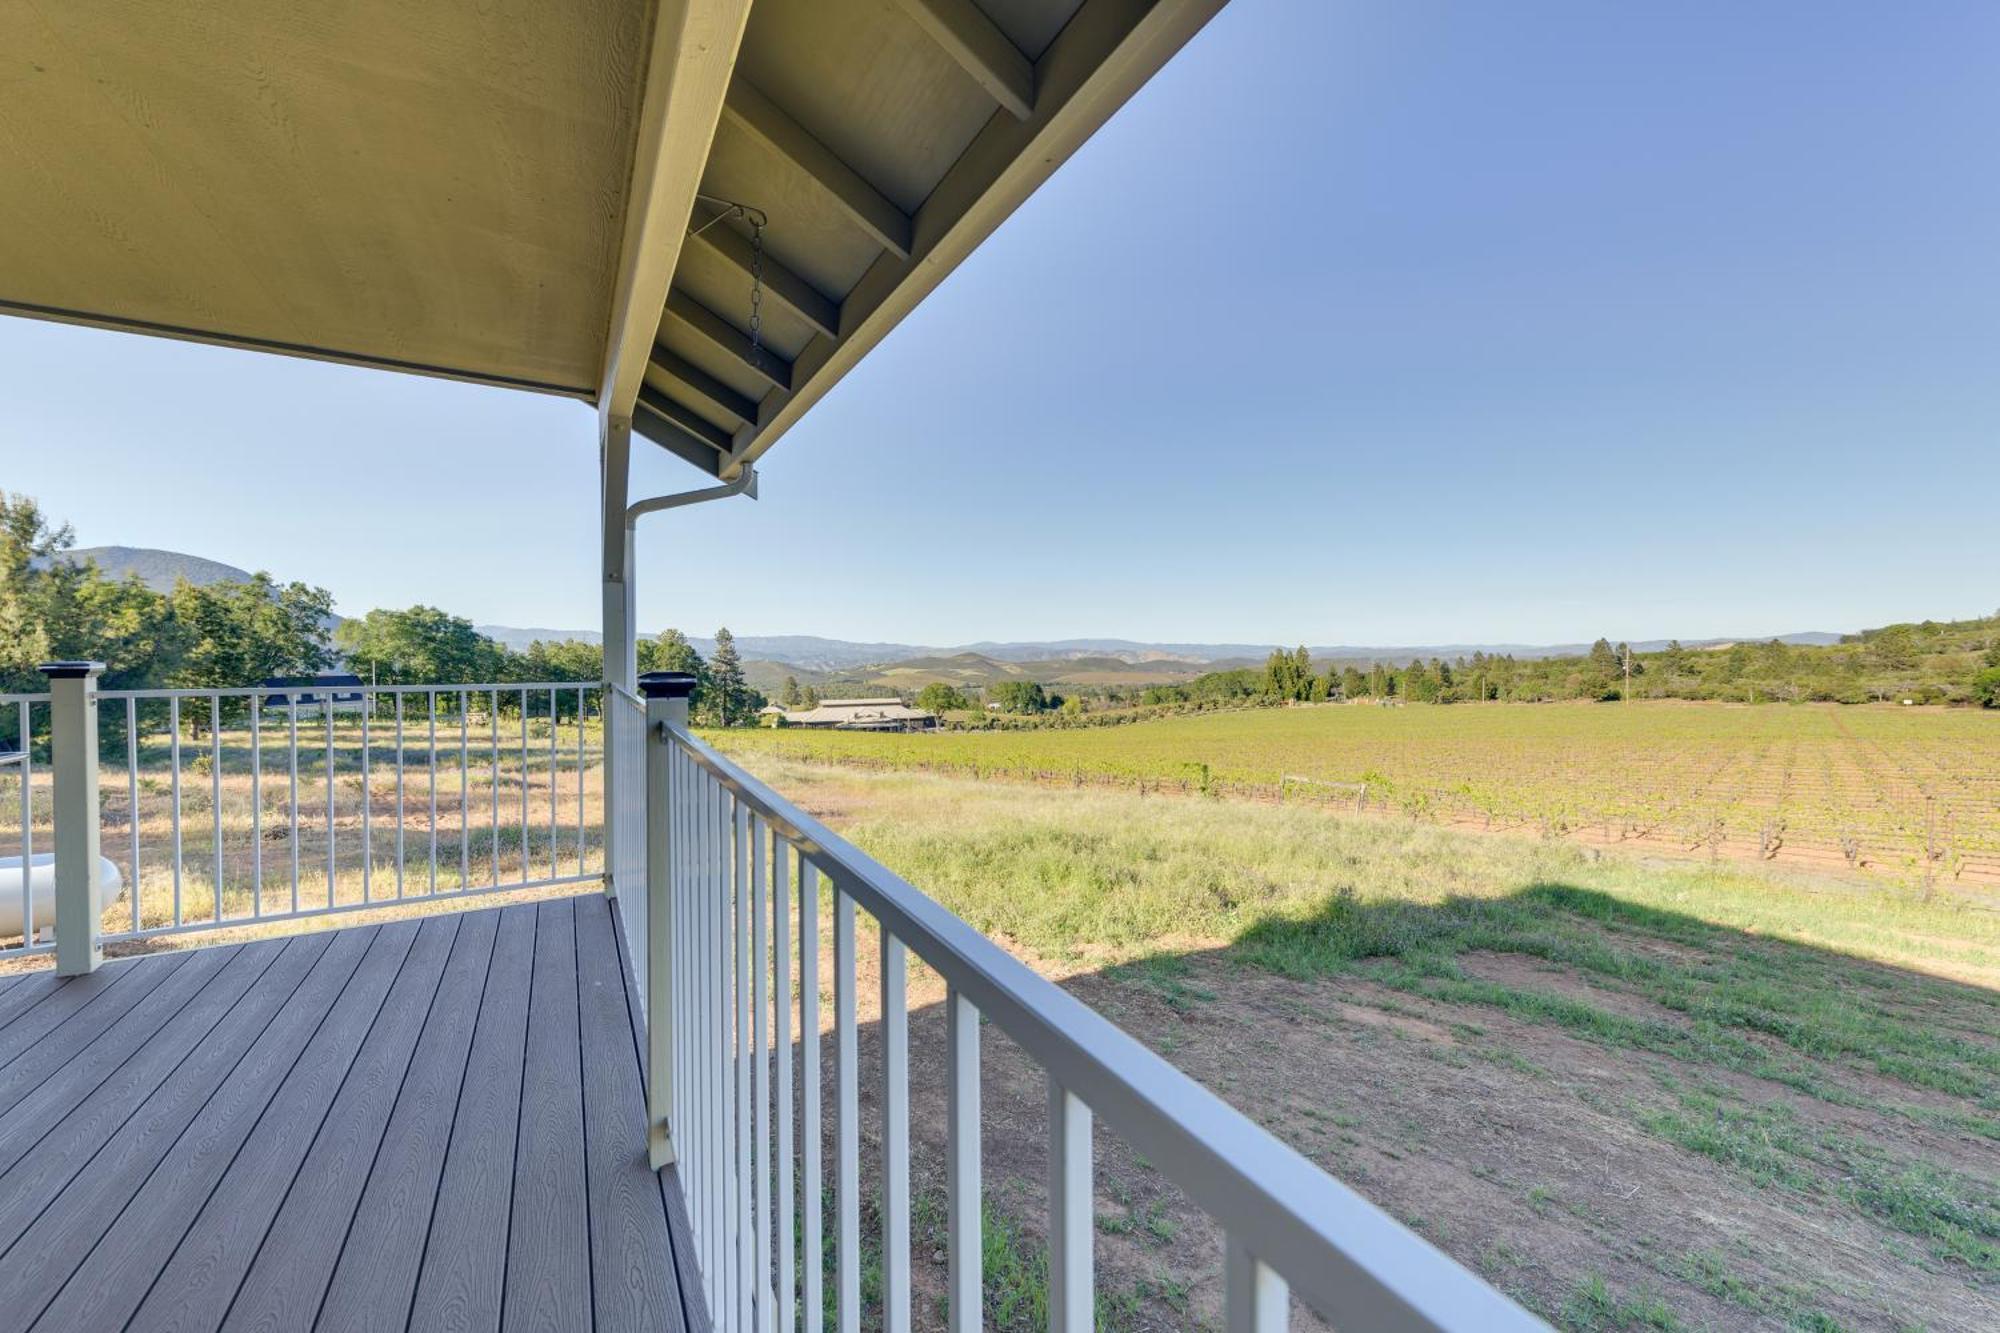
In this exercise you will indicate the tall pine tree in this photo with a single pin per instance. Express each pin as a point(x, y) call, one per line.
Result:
point(725, 676)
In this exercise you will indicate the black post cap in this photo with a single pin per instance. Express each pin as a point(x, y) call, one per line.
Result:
point(666, 684)
point(70, 670)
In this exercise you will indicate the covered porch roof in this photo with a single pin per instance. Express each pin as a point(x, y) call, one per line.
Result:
point(516, 194)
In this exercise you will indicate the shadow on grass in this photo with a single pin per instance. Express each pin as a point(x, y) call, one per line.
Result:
point(1898, 1058)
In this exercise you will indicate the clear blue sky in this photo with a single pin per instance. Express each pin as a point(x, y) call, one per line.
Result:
point(1386, 322)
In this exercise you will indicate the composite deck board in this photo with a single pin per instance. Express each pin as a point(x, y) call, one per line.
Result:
point(73, 1112)
point(327, 1100)
point(70, 1182)
point(75, 1009)
point(432, 1124)
point(101, 1293)
point(680, 1227)
point(34, 1066)
point(363, 1199)
point(631, 1264)
point(26, 993)
point(548, 1270)
point(465, 1257)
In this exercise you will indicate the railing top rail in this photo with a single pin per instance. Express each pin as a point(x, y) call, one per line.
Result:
point(333, 690)
point(1343, 1256)
point(619, 691)
point(6, 699)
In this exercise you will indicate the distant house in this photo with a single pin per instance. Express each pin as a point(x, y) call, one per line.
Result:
point(863, 715)
point(339, 690)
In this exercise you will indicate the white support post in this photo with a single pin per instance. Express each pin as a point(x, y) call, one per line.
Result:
point(620, 650)
point(666, 694)
point(1072, 1281)
point(73, 740)
point(1254, 1298)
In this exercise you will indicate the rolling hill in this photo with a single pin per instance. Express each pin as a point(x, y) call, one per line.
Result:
point(842, 665)
point(158, 570)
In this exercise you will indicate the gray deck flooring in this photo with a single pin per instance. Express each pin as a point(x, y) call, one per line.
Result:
point(432, 1124)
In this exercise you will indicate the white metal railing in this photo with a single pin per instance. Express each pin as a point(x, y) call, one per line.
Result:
point(625, 834)
point(733, 867)
point(220, 807)
point(27, 824)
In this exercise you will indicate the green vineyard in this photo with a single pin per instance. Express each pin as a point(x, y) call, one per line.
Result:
point(1914, 793)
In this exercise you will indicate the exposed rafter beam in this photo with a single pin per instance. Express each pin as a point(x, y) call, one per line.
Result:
point(981, 49)
point(780, 283)
point(675, 441)
point(710, 434)
point(1101, 57)
point(688, 68)
point(696, 383)
point(719, 333)
point(750, 111)
point(679, 431)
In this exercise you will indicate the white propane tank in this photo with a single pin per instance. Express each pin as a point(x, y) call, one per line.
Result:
point(42, 889)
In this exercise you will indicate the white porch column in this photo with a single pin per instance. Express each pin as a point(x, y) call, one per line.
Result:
point(73, 739)
point(666, 694)
point(620, 649)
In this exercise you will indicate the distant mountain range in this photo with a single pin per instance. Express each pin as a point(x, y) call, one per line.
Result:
point(1103, 661)
point(839, 655)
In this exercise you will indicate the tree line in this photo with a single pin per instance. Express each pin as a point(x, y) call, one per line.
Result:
point(236, 634)
point(1926, 662)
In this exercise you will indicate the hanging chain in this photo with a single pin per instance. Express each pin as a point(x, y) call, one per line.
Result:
point(758, 220)
point(757, 293)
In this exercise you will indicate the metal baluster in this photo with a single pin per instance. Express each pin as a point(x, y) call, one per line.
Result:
point(708, 885)
point(368, 698)
point(399, 794)
point(781, 949)
point(1254, 1298)
point(464, 793)
point(678, 926)
point(431, 782)
point(174, 761)
point(24, 737)
point(895, 1136)
point(963, 1185)
point(847, 1122)
point(718, 980)
point(257, 813)
point(812, 1295)
point(580, 696)
point(132, 785)
point(493, 720)
point(740, 1219)
point(523, 878)
point(215, 792)
point(1070, 1278)
point(292, 801)
point(555, 766)
point(326, 703)
point(760, 1080)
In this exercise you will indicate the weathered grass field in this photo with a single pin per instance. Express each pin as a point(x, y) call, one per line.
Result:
point(1911, 793)
point(1635, 1093)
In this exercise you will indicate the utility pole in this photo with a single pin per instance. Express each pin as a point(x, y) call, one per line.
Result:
point(1628, 673)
